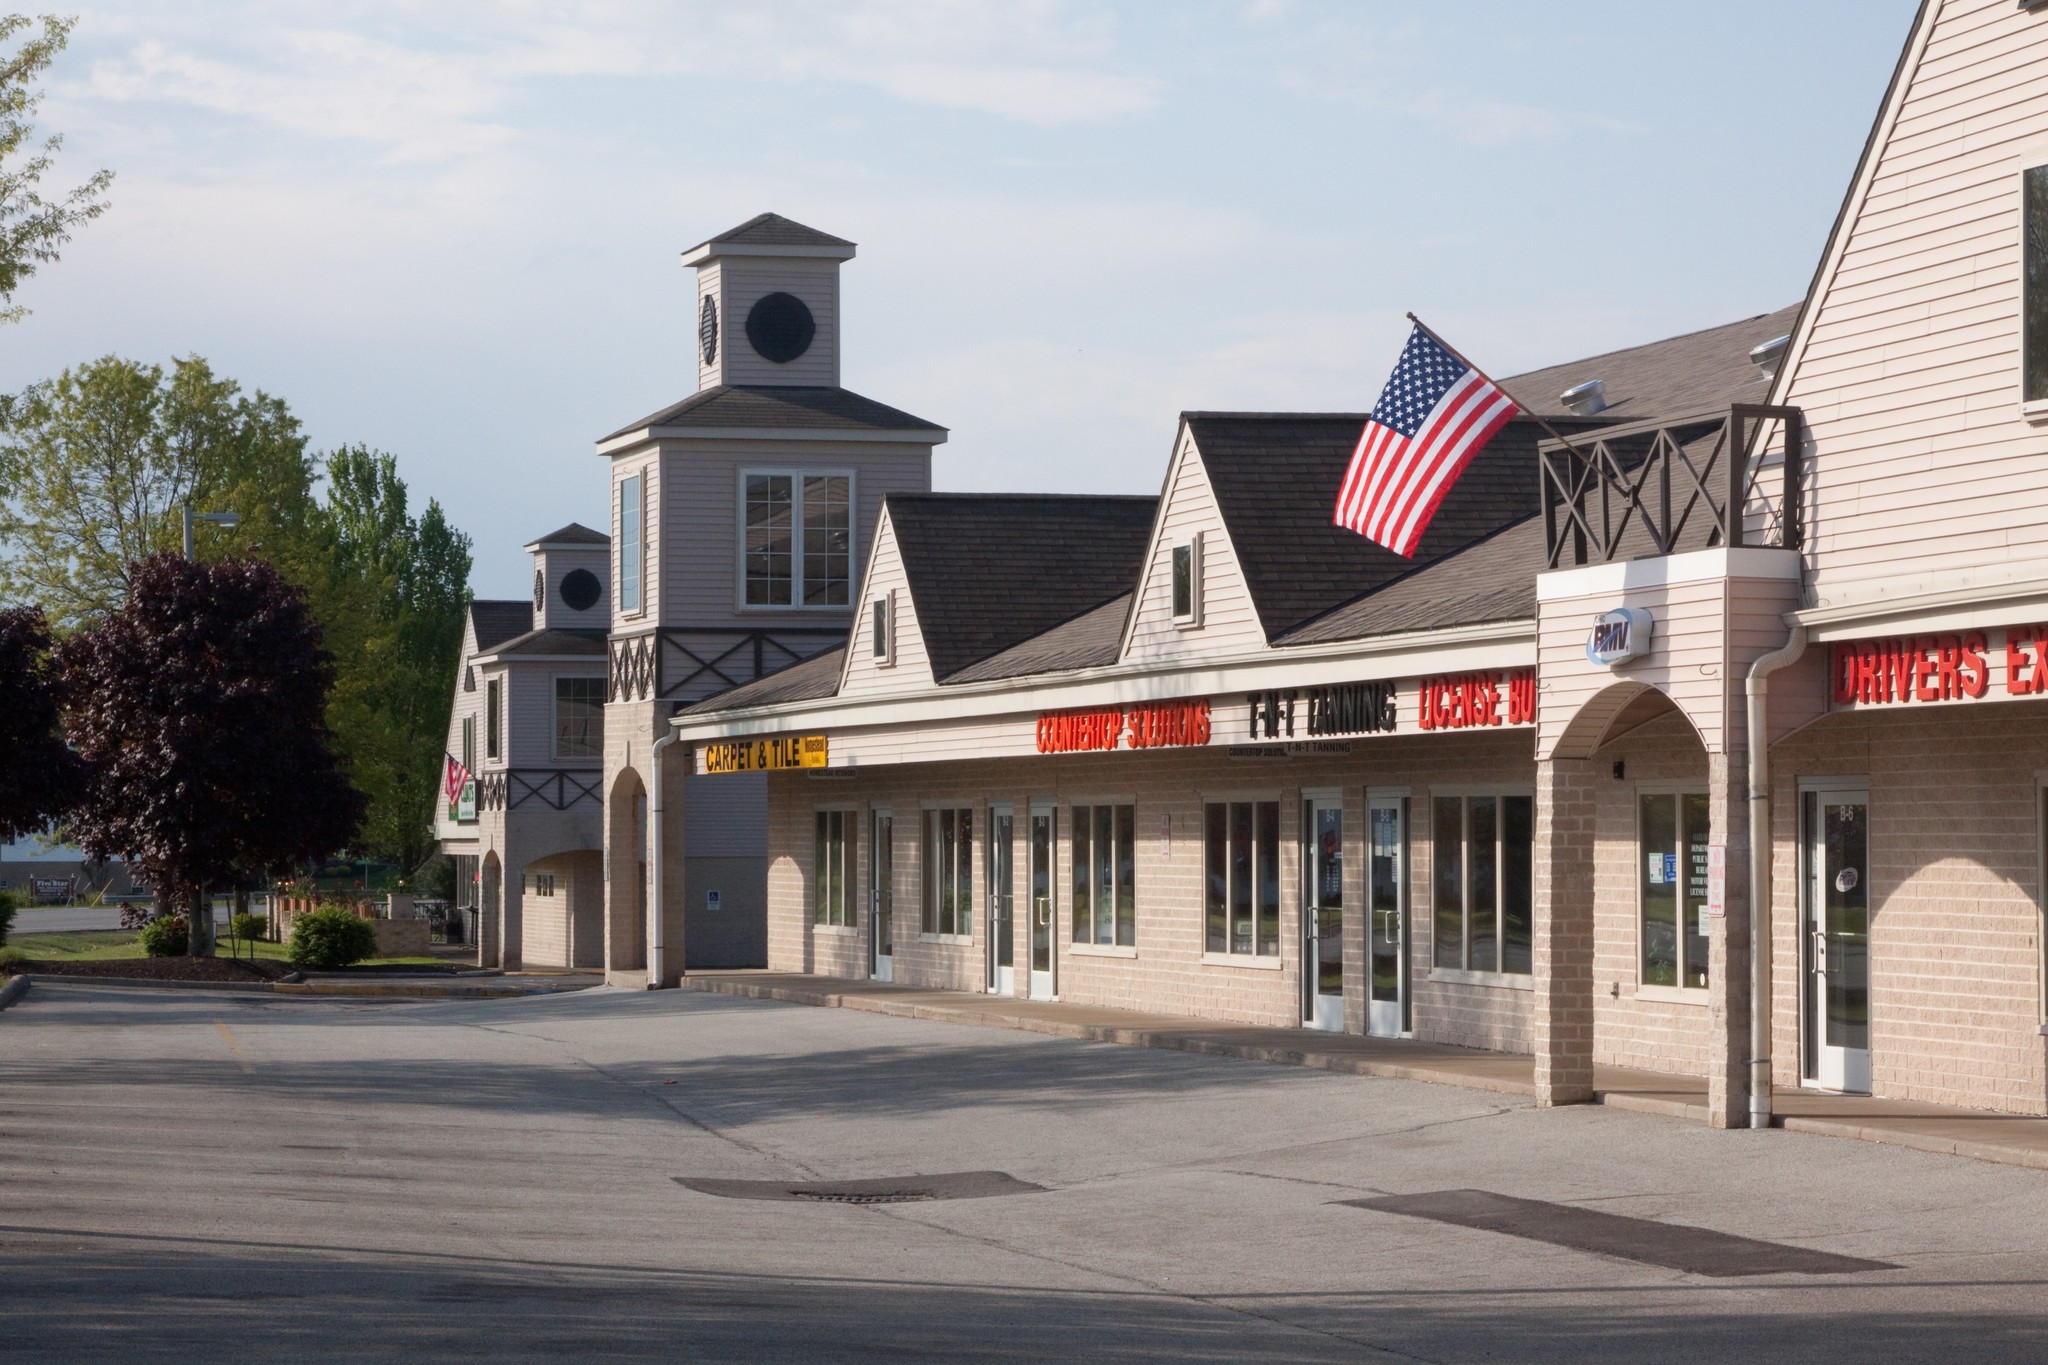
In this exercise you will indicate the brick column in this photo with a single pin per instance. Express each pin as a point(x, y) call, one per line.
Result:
point(487, 898)
point(1564, 932)
point(1728, 948)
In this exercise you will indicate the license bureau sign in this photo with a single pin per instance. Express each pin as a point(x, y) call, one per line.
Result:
point(766, 755)
point(1949, 666)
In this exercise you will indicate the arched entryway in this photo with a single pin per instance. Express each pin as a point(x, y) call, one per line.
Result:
point(625, 929)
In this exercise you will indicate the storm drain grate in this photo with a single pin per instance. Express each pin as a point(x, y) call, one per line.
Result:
point(1697, 1251)
point(897, 1189)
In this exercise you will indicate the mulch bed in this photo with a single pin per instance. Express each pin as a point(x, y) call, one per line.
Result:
point(161, 968)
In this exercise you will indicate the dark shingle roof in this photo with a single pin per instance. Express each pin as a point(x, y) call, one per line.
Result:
point(575, 533)
point(1681, 375)
point(805, 680)
point(1088, 641)
point(590, 642)
point(772, 229)
point(990, 570)
point(495, 622)
point(769, 405)
point(1493, 580)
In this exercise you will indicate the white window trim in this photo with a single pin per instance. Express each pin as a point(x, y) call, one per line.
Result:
point(1192, 619)
point(619, 568)
point(886, 603)
point(555, 717)
point(494, 744)
point(796, 475)
point(1680, 994)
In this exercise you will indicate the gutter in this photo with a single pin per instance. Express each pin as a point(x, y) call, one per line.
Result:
point(1757, 688)
point(654, 841)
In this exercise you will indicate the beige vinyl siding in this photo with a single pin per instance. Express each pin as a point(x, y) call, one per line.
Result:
point(698, 522)
point(709, 277)
point(912, 666)
point(1909, 371)
point(544, 920)
point(744, 280)
point(1229, 624)
point(530, 720)
point(554, 566)
point(1685, 662)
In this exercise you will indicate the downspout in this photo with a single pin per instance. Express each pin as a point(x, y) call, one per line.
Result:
point(654, 842)
point(1757, 687)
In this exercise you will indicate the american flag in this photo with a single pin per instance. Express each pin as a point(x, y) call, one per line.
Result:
point(1432, 418)
point(456, 778)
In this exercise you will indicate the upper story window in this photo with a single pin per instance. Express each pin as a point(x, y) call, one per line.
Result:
point(882, 637)
point(579, 717)
point(796, 532)
point(469, 743)
point(494, 717)
point(1187, 582)
point(2034, 285)
point(632, 543)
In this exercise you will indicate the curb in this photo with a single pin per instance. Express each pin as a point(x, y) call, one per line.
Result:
point(144, 983)
point(372, 990)
point(15, 988)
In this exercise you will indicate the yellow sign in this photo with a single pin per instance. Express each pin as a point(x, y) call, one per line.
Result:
point(765, 755)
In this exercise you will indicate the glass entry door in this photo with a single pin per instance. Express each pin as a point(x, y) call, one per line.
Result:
point(1002, 899)
point(1322, 913)
point(1386, 1011)
point(881, 894)
point(1835, 944)
point(1043, 910)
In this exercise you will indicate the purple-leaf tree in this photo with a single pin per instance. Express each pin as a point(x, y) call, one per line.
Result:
point(199, 709)
point(38, 774)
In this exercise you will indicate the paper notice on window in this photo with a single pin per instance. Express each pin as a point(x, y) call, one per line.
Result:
point(1717, 884)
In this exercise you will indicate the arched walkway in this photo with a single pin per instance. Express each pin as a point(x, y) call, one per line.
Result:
point(625, 921)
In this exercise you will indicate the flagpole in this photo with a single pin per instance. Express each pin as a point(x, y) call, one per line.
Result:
point(1462, 359)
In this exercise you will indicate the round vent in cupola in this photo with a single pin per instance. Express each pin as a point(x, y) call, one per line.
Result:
point(707, 330)
point(580, 589)
point(781, 327)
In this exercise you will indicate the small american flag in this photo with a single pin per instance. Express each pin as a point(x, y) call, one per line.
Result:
point(1432, 418)
point(456, 779)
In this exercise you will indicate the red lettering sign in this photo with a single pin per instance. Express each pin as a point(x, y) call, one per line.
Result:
point(1923, 668)
point(1468, 700)
point(1161, 725)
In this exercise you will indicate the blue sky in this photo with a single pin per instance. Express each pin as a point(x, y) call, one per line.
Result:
point(450, 230)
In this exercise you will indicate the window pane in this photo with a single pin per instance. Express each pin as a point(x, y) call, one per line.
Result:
point(1105, 874)
point(2034, 306)
point(1269, 877)
point(1657, 872)
point(769, 566)
point(632, 541)
point(1484, 949)
point(494, 714)
point(1215, 874)
point(1240, 877)
point(1184, 580)
point(1384, 938)
point(1698, 828)
point(1447, 867)
point(1518, 884)
point(828, 541)
point(818, 875)
point(1127, 876)
point(1084, 914)
point(963, 872)
point(579, 717)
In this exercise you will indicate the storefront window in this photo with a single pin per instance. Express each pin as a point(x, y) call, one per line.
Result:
point(1482, 851)
point(1241, 876)
point(948, 871)
point(1672, 832)
point(1105, 875)
point(830, 903)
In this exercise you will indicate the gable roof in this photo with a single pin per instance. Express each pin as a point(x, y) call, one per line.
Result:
point(575, 533)
point(804, 680)
point(772, 229)
point(495, 622)
point(777, 406)
point(1090, 640)
point(1692, 373)
point(990, 570)
point(559, 640)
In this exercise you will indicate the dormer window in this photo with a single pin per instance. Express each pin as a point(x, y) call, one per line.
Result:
point(2034, 289)
point(796, 538)
point(1187, 582)
point(882, 633)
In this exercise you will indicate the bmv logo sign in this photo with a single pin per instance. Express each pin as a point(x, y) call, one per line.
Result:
point(1618, 636)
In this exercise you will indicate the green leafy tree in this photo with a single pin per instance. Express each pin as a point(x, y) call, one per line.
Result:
point(97, 461)
point(33, 227)
point(394, 596)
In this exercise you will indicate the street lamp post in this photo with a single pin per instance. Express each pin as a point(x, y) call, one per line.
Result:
point(188, 516)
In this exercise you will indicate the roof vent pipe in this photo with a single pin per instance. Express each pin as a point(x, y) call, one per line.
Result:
point(1583, 400)
point(1767, 356)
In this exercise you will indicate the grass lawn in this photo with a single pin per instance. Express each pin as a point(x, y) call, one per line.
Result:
point(94, 945)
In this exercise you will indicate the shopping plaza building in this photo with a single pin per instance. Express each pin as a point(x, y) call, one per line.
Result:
point(1706, 732)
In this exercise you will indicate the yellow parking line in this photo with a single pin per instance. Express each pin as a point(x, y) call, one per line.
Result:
point(241, 1057)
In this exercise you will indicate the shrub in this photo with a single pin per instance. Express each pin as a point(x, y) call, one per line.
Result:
point(166, 936)
point(9, 903)
point(12, 957)
point(248, 926)
point(331, 937)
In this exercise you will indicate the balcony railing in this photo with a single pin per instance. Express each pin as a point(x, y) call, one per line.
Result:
point(555, 788)
point(1655, 488)
point(690, 663)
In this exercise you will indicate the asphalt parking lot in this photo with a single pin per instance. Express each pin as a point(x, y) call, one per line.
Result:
point(218, 1176)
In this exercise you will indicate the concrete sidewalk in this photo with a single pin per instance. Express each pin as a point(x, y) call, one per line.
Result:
point(2009, 1139)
